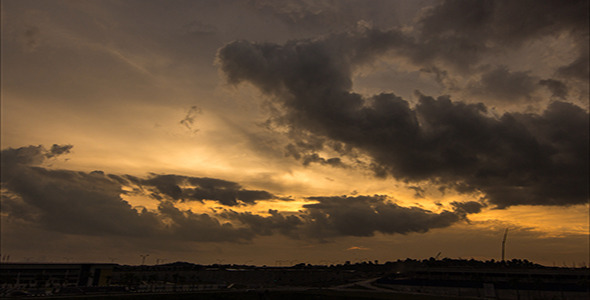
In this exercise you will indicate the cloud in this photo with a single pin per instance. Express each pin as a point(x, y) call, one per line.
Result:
point(556, 87)
point(470, 207)
point(69, 201)
point(419, 192)
point(501, 85)
point(356, 248)
point(189, 119)
point(201, 227)
point(307, 148)
point(580, 67)
point(187, 188)
point(515, 158)
point(366, 215)
point(31, 155)
point(91, 203)
point(315, 158)
point(31, 38)
point(359, 216)
point(480, 27)
point(275, 223)
point(324, 16)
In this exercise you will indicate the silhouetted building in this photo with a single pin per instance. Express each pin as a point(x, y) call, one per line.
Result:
point(54, 275)
point(497, 283)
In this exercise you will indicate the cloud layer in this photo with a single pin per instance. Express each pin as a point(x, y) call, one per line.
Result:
point(514, 158)
point(92, 204)
point(338, 77)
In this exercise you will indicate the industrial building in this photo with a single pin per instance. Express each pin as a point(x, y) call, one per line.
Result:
point(23, 275)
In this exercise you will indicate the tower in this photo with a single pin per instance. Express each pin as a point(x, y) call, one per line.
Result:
point(504, 244)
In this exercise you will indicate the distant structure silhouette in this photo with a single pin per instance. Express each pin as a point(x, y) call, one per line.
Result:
point(143, 257)
point(504, 244)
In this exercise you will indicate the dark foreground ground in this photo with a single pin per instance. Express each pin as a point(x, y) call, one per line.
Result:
point(263, 295)
point(403, 280)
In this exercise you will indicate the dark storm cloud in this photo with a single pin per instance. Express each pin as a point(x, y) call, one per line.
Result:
point(31, 155)
point(501, 85)
point(459, 34)
point(465, 30)
point(579, 68)
point(201, 227)
point(556, 87)
point(325, 16)
point(251, 196)
point(58, 150)
point(306, 148)
point(315, 158)
point(275, 223)
point(187, 188)
point(91, 204)
point(68, 201)
point(504, 21)
point(351, 216)
point(470, 207)
point(16, 208)
point(366, 215)
point(419, 192)
point(536, 159)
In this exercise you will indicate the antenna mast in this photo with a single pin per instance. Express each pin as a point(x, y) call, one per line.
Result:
point(504, 244)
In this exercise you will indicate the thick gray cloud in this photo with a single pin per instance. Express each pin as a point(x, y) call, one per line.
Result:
point(90, 204)
point(326, 16)
point(504, 20)
point(203, 188)
point(357, 216)
point(365, 215)
point(306, 147)
point(201, 227)
point(515, 158)
point(315, 158)
point(457, 33)
point(501, 85)
point(69, 201)
point(31, 155)
point(462, 31)
point(288, 225)
point(579, 68)
point(471, 207)
point(556, 87)
point(419, 192)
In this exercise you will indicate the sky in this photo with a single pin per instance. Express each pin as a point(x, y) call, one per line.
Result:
point(279, 132)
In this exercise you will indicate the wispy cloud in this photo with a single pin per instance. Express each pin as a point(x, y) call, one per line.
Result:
point(358, 248)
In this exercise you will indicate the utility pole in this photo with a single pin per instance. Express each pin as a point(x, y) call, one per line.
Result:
point(504, 244)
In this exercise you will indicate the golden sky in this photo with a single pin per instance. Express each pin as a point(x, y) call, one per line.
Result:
point(271, 132)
